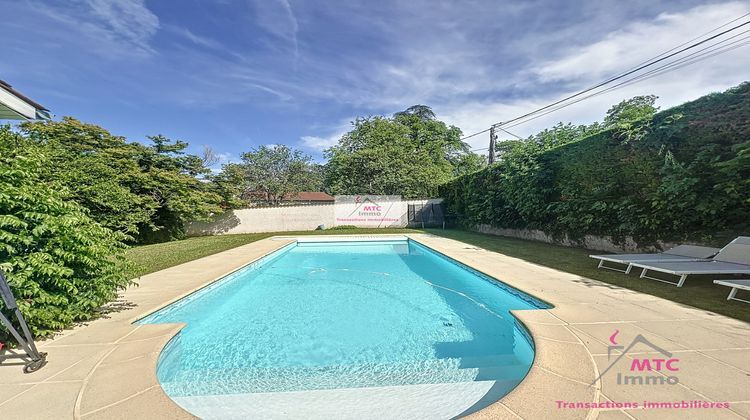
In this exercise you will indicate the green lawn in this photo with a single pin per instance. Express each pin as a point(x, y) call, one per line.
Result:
point(698, 291)
point(150, 258)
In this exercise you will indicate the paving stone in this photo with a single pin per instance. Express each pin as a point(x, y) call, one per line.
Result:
point(43, 401)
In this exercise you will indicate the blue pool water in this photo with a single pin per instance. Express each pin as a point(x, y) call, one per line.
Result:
point(330, 315)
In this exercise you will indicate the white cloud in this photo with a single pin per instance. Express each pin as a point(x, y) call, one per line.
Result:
point(224, 158)
point(672, 90)
point(322, 142)
point(293, 25)
point(110, 28)
point(129, 20)
point(195, 38)
point(473, 84)
point(636, 42)
point(584, 65)
point(475, 63)
point(281, 95)
point(278, 19)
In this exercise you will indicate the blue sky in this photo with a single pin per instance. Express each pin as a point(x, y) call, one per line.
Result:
point(236, 74)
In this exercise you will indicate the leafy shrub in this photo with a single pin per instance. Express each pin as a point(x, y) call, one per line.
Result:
point(61, 265)
point(145, 192)
point(682, 174)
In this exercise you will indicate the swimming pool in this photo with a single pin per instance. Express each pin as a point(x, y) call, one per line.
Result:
point(325, 324)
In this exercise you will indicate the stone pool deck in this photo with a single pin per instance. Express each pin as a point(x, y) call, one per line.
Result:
point(107, 368)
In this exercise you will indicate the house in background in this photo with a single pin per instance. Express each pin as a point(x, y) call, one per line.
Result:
point(15, 106)
point(310, 197)
point(261, 199)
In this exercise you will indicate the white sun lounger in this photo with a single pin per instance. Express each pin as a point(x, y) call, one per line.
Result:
point(732, 259)
point(678, 253)
point(735, 285)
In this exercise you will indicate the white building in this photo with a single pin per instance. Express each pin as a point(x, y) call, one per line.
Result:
point(16, 106)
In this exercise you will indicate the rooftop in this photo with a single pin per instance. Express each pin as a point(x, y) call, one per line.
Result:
point(310, 196)
point(16, 106)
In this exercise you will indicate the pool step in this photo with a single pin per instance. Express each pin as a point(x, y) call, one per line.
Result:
point(424, 401)
point(241, 380)
point(495, 367)
point(481, 346)
point(487, 360)
point(500, 373)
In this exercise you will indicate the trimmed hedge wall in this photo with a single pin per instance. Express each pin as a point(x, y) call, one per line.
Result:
point(687, 179)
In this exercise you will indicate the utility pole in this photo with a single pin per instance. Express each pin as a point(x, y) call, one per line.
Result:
point(491, 152)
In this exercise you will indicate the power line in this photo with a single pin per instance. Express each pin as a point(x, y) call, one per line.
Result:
point(627, 73)
point(508, 132)
point(498, 128)
point(475, 134)
point(653, 73)
point(659, 58)
point(707, 53)
point(695, 39)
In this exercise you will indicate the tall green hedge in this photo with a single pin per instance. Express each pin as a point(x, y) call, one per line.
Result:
point(61, 264)
point(688, 178)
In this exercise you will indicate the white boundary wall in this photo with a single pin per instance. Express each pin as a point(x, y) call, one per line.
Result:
point(280, 219)
point(601, 243)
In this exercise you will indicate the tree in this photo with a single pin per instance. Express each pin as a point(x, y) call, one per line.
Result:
point(99, 170)
point(172, 179)
point(61, 264)
point(423, 112)
point(229, 184)
point(409, 154)
point(145, 192)
point(270, 173)
point(629, 111)
point(467, 163)
point(631, 119)
point(506, 147)
point(561, 134)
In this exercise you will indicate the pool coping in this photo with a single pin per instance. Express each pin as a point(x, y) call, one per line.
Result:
point(107, 368)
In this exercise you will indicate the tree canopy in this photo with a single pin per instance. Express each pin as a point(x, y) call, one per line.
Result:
point(631, 119)
point(268, 174)
point(409, 154)
point(144, 191)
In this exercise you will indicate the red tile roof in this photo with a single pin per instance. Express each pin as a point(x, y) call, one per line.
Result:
point(302, 196)
point(310, 196)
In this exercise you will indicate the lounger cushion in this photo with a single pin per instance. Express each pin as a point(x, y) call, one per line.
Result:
point(696, 267)
point(737, 251)
point(740, 284)
point(678, 253)
point(628, 258)
point(692, 251)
